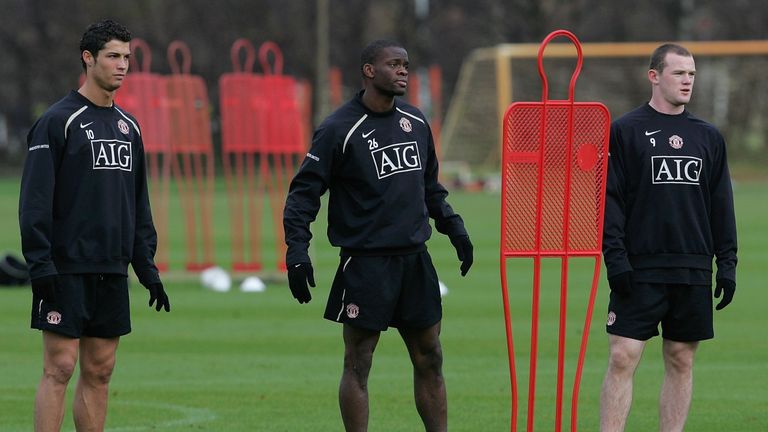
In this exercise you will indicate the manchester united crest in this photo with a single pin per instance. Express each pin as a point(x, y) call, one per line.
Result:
point(123, 126)
point(405, 124)
point(53, 317)
point(676, 142)
point(352, 310)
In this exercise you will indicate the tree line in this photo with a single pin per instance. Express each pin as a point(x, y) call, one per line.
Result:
point(40, 39)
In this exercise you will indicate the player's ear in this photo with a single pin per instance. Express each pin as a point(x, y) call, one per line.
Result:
point(87, 57)
point(653, 76)
point(368, 71)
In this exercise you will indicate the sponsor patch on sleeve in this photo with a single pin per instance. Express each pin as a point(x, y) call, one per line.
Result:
point(38, 147)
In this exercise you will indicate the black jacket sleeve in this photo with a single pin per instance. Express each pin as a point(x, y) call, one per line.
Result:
point(446, 220)
point(723, 219)
point(614, 250)
point(303, 201)
point(45, 144)
point(145, 236)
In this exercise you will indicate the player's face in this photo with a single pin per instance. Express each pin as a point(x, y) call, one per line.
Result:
point(391, 71)
point(675, 82)
point(110, 65)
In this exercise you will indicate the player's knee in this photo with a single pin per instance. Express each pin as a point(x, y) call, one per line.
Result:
point(96, 371)
point(429, 360)
point(358, 364)
point(59, 371)
point(97, 374)
point(679, 361)
point(622, 361)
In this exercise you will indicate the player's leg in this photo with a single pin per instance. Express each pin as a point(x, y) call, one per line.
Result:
point(632, 320)
point(616, 393)
point(418, 316)
point(688, 321)
point(678, 384)
point(359, 345)
point(59, 359)
point(97, 361)
point(428, 383)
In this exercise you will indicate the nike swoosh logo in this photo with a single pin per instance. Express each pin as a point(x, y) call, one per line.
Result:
point(651, 133)
point(365, 135)
point(83, 126)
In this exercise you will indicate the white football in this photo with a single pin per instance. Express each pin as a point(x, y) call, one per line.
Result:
point(252, 284)
point(216, 279)
point(443, 289)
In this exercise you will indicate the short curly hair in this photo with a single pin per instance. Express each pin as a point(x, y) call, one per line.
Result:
point(99, 33)
point(369, 54)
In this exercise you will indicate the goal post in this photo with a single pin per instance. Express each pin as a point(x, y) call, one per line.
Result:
point(491, 78)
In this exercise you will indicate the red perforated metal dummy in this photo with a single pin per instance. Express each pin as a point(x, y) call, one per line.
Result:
point(242, 108)
point(144, 95)
point(554, 164)
point(285, 135)
point(192, 149)
point(265, 121)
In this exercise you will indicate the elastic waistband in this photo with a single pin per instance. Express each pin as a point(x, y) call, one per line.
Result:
point(669, 260)
point(383, 251)
point(111, 267)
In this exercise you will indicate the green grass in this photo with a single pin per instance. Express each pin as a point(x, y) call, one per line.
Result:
point(245, 362)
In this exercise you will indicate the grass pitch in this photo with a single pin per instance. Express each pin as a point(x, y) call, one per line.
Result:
point(262, 362)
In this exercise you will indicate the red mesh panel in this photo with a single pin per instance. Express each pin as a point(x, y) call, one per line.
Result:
point(534, 214)
point(588, 172)
point(241, 105)
point(189, 114)
point(283, 123)
point(521, 171)
point(144, 95)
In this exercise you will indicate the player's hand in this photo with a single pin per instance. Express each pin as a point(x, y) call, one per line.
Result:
point(463, 252)
point(621, 283)
point(157, 294)
point(298, 277)
point(727, 288)
point(45, 288)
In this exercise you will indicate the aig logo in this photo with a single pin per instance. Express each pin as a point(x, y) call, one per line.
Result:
point(396, 159)
point(111, 154)
point(676, 169)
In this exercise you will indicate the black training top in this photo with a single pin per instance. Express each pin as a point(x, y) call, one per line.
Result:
point(669, 202)
point(84, 206)
point(381, 170)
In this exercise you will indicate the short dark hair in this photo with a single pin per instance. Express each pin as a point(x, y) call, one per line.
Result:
point(370, 52)
point(99, 33)
point(660, 53)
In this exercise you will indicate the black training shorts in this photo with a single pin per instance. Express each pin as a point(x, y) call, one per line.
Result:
point(90, 305)
point(377, 292)
point(684, 312)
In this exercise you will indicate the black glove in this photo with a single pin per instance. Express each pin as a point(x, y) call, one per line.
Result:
point(298, 276)
point(157, 293)
point(45, 288)
point(463, 252)
point(621, 283)
point(727, 288)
